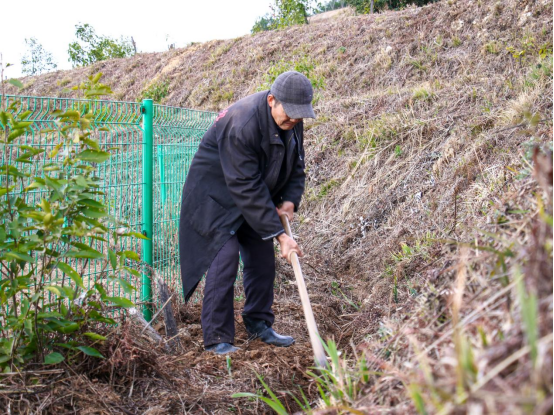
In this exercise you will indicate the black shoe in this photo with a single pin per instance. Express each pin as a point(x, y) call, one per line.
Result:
point(260, 329)
point(222, 348)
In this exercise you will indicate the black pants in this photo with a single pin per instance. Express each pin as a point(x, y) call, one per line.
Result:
point(258, 257)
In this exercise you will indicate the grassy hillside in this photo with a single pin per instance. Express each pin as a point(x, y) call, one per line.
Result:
point(427, 219)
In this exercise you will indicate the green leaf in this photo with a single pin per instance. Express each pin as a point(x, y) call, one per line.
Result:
point(96, 78)
point(135, 234)
point(66, 327)
point(92, 203)
point(71, 273)
point(128, 288)
point(22, 124)
point(113, 259)
point(65, 345)
point(94, 156)
point(92, 143)
point(53, 358)
point(24, 158)
point(3, 190)
point(83, 251)
point(131, 255)
point(61, 291)
point(132, 271)
point(101, 290)
point(90, 351)
point(15, 133)
point(3, 118)
point(94, 213)
point(16, 82)
point(25, 115)
point(95, 336)
point(120, 301)
point(19, 256)
point(56, 184)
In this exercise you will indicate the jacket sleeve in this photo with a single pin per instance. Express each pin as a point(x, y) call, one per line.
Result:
point(240, 164)
point(293, 190)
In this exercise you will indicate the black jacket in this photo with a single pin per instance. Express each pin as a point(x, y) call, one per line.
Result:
point(234, 177)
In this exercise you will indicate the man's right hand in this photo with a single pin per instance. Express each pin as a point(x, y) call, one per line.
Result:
point(288, 245)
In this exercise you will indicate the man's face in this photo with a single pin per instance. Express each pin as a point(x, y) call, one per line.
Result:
point(279, 115)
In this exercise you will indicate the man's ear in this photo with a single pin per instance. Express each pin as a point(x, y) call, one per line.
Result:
point(270, 100)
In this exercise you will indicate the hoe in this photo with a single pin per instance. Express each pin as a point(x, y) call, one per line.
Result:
point(317, 346)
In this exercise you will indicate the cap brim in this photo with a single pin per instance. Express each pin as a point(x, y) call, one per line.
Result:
point(296, 111)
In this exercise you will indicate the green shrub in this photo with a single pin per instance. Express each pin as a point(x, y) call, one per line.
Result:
point(156, 91)
point(303, 65)
point(47, 312)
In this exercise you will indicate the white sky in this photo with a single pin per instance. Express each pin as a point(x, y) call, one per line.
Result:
point(52, 23)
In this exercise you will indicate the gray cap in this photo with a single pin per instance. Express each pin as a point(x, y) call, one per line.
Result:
point(295, 92)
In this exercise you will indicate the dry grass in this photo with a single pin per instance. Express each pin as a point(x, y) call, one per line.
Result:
point(424, 208)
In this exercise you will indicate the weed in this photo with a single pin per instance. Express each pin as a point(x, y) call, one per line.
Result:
point(418, 64)
point(273, 401)
point(304, 65)
point(327, 187)
point(517, 54)
point(492, 47)
point(220, 51)
point(540, 72)
point(229, 365)
point(380, 129)
point(422, 94)
point(456, 41)
point(397, 151)
point(156, 91)
point(529, 315)
point(221, 95)
point(420, 248)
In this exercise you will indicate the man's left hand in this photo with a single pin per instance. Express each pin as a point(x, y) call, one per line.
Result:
point(286, 208)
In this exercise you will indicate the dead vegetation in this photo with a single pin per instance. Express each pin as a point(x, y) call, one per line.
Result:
point(427, 219)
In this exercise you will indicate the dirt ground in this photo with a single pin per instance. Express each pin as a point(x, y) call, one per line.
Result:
point(141, 377)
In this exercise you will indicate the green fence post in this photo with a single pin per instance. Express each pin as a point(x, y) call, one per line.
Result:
point(147, 200)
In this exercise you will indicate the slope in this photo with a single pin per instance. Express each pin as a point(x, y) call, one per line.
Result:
point(427, 216)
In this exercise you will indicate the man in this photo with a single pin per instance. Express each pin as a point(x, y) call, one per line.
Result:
point(248, 170)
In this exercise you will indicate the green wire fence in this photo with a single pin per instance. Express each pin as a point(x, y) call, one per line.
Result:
point(142, 181)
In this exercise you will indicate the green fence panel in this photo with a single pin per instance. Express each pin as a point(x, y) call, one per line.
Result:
point(177, 133)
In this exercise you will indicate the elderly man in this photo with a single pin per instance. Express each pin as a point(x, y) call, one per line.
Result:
point(248, 170)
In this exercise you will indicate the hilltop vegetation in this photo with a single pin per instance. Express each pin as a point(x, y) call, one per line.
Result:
point(427, 218)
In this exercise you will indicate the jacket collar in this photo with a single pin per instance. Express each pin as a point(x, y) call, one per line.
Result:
point(268, 127)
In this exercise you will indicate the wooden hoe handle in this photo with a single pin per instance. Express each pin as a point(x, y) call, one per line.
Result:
point(317, 346)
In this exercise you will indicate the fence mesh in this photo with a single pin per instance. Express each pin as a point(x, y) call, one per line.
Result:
point(177, 133)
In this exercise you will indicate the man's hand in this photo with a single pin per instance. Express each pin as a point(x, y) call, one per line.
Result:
point(286, 208)
point(288, 246)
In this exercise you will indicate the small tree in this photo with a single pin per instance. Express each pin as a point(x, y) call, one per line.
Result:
point(50, 309)
point(263, 23)
point(90, 47)
point(291, 12)
point(36, 60)
point(284, 13)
